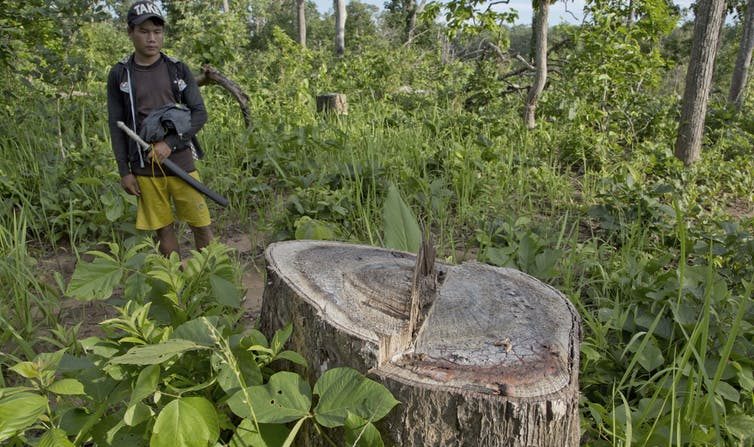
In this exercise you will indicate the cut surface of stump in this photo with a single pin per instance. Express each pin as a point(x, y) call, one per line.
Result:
point(494, 361)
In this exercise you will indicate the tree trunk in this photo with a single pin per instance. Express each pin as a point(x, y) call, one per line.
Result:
point(688, 144)
point(301, 15)
point(540, 62)
point(226, 7)
point(340, 27)
point(630, 14)
point(743, 60)
point(495, 357)
point(411, 11)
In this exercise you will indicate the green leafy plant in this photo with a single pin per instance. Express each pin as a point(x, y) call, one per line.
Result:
point(176, 370)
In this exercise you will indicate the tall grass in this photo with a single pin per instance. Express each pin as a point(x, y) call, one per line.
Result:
point(27, 304)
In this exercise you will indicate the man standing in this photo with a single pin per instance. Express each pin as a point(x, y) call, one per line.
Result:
point(143, 85)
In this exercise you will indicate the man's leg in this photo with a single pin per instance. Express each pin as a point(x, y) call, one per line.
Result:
point(168, 240)
point(202, 236)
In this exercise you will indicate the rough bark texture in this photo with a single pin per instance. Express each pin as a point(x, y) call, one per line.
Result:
point(210, 75)
point(707, 23)
point(301, 16)
point(340, 27)
point(495, 362)
point(540, 62)
point(743, 60)
point(332, 102)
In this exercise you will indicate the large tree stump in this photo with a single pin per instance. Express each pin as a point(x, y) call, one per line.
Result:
point(494, 362)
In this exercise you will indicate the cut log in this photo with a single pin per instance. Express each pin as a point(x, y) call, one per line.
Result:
point(332, 102)
point(494, 362)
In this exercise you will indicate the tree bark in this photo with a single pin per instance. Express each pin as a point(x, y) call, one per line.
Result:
point(210, 75)
point(336, 103)
point(340, 27)
point(226, 6)
point(494, 361)
point(540, 62)
point(301, 16)
point(743, 60)
point(410, 20)
point(707, 23)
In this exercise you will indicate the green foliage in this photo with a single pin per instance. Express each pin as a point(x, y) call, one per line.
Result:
point(401, 228)
point(203, 37)
point(469, 16)
point(617, 70)
point(177, 381)
point(343, 391)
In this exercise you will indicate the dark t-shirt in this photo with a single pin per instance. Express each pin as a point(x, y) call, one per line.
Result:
point(152, 90)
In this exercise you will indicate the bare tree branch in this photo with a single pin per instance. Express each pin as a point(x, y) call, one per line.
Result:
point(210, 75)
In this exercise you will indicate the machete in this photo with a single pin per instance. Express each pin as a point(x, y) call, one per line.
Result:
point(194, 183)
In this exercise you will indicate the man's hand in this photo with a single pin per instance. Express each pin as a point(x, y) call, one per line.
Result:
point(129, 183)
point(160, 151)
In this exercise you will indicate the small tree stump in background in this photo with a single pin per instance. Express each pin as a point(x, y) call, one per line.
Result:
point(494, 361)
point(332, 102)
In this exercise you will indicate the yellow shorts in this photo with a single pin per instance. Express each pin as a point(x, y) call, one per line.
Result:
point(154, 211)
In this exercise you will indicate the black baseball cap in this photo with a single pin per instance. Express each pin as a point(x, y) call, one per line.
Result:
point(142, 11)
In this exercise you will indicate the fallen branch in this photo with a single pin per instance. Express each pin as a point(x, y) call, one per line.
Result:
point(210, 75)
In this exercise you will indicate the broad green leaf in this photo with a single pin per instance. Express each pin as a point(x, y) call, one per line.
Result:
point(146, 383)
point(225, 292)
point(70, 363)
point(112, 432)
point(650, 358)
point(9, 391)
point(292, 356)
point(249, 370)
point(137, 285)
point(269, 435)
point(342, 390)
point(500, 257)
point(254, 337)
point(114, 210)
point(741, 426)
point(186, 422)
point(95, 280)
point(74, 420)
point(49, 361)
point(26, 369)
point(71, 387)
point(745, 378)
point(281, 336)
point(285, 398)
point(361, 433)
point(156, 354)
point(314, 229)
point(199, 331)
point(19, 412)
point(137, 413)
point(727, 392)
point(401, 227)
point(55, 437)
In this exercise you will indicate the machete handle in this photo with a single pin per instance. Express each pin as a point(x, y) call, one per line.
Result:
point(194, 183)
